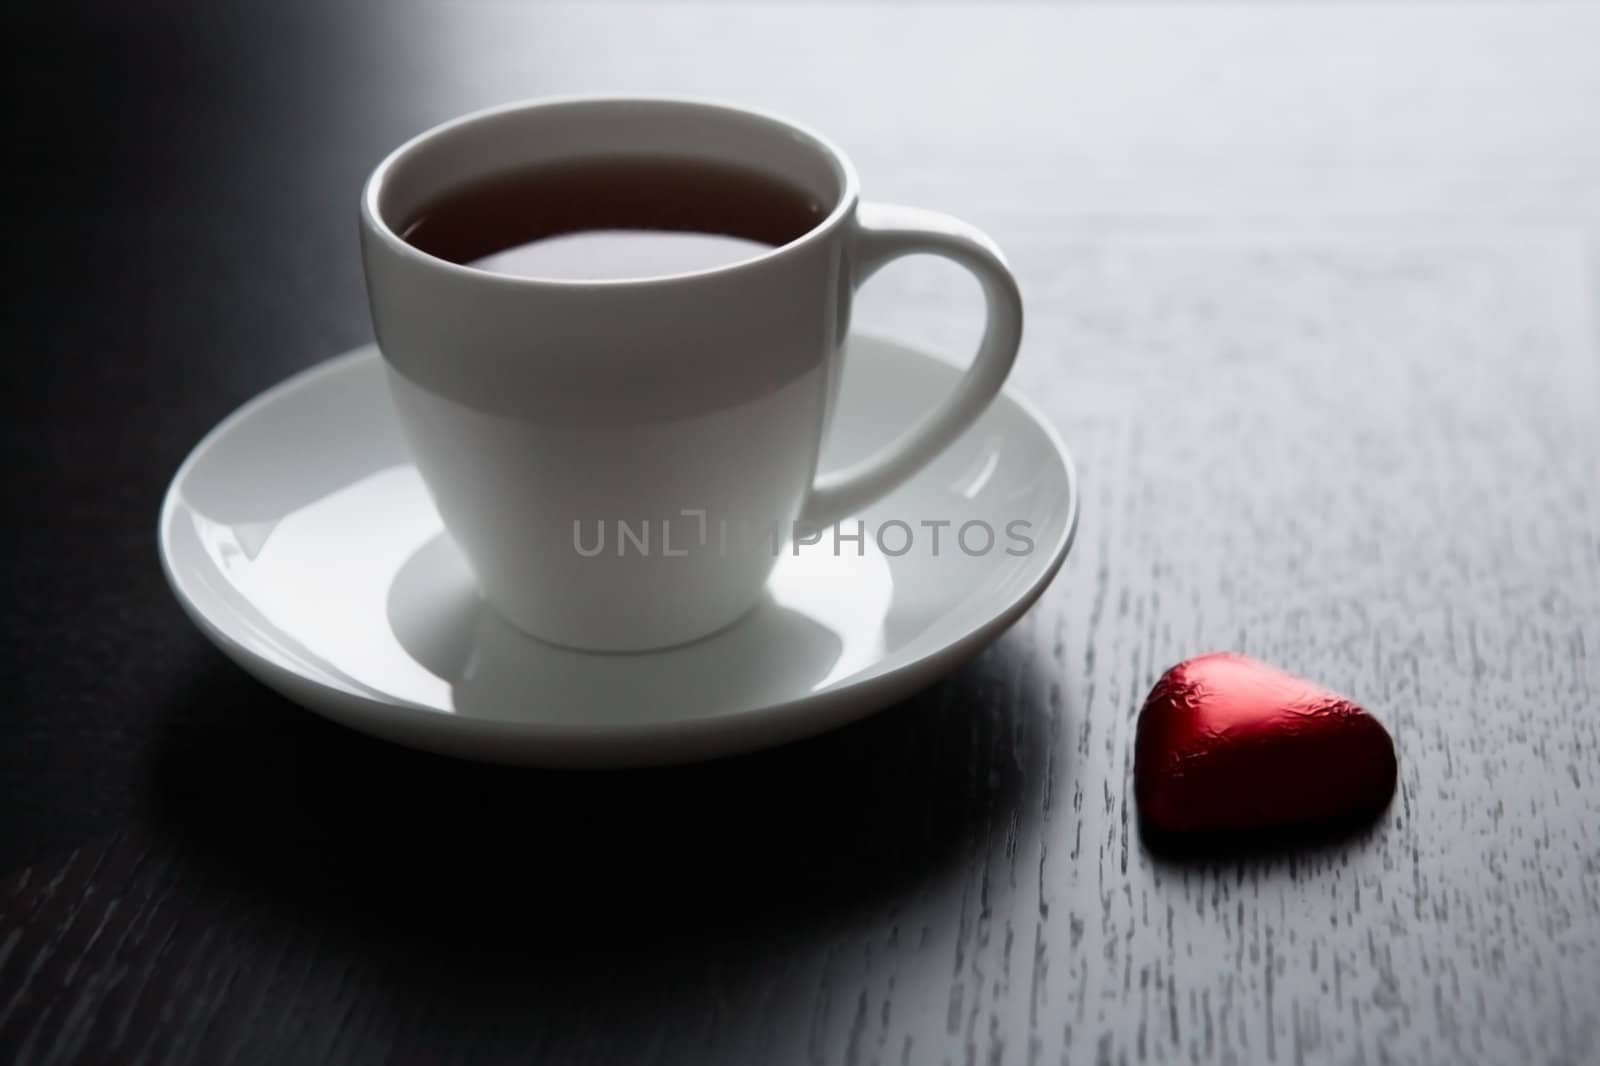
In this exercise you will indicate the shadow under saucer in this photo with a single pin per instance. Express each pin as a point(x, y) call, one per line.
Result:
point(487, 869)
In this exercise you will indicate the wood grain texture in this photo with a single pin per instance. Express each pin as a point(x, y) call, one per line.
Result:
point(1311, 296)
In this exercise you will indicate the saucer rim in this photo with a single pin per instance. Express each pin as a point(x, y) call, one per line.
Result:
point(562, 744)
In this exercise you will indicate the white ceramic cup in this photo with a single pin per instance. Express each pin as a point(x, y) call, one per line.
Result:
point(673, 421)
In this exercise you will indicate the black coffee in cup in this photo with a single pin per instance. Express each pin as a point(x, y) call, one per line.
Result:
point(613, 217)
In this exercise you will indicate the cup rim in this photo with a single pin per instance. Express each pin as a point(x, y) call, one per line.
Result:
point(373, 220)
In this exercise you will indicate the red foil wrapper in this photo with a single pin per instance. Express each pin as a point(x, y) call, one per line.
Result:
point(1226, 743)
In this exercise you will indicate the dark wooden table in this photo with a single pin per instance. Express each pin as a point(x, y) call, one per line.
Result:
point(1312, 297)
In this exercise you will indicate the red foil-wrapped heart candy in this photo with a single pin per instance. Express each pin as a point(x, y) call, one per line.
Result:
point(1226, 743)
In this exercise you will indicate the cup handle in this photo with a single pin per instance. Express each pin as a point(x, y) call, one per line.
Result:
point(883, 233)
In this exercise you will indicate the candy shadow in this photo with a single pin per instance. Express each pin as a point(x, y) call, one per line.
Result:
point(1276, 842)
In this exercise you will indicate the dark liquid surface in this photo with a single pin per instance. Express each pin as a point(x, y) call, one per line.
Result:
point(622, 217)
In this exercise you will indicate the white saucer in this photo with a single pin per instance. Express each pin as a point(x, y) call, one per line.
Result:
point(300, 539)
